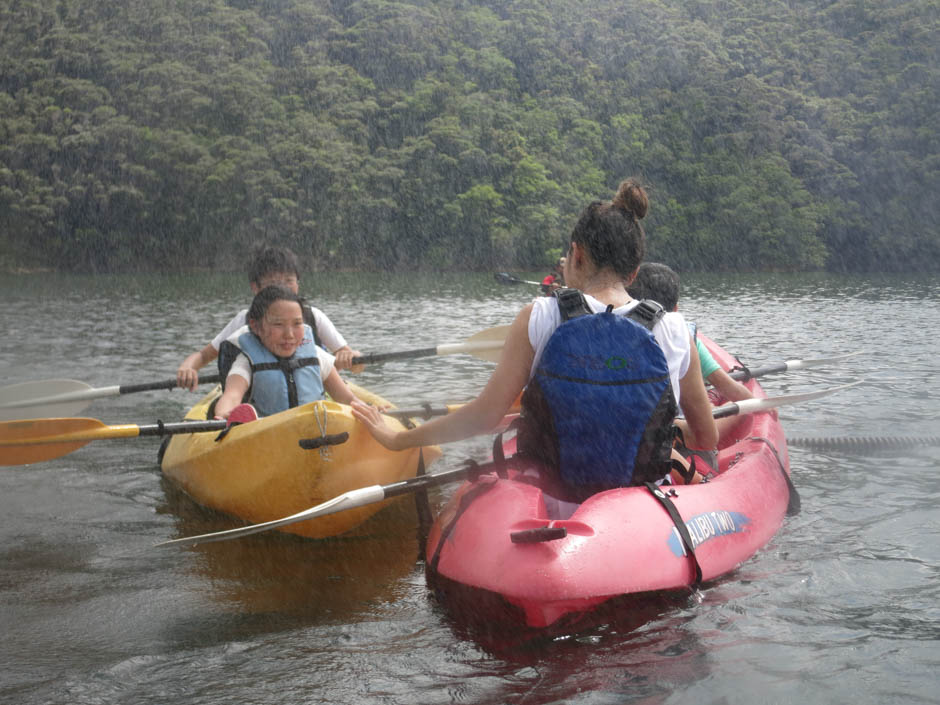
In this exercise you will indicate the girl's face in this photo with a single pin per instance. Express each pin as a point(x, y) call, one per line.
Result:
point(282, 329)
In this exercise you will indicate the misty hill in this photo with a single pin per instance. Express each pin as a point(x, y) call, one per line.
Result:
point(454, 134)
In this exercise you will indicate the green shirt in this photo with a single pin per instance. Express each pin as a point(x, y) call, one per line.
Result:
point(707, 362)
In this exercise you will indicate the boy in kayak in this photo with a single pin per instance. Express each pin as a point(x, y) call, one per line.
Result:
point(276, 359)
point(660, 283)
point(269, 266)
point(600, 417)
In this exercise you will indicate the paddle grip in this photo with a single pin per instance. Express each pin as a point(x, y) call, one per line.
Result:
point(168, 384)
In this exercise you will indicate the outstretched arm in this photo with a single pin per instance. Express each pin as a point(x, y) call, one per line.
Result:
point(479, 416)
point(235, 388)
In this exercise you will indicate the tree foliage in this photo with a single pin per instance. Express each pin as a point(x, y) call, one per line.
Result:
point(410, 134)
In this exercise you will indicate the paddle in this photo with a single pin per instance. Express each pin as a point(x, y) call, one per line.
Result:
point(35, 440)
point(788, 366)
point(66, 397)
point(506, 278)
point(750, 406)
point(378, 493)
point(485, 345)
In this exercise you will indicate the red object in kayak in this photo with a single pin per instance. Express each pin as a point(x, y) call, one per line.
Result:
point(507, 545)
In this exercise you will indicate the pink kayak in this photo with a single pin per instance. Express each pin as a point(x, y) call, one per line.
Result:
point(505, 544)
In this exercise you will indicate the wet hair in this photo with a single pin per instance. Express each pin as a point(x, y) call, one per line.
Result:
point(611, 231)
point(657, 282)
point(267, 296)
point(269, 259)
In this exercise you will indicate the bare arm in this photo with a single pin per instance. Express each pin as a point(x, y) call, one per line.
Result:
point(235, 388)
point(730, 388)
point(337, 388)
point(695, 406)
point(187, 376)
point(479, 416)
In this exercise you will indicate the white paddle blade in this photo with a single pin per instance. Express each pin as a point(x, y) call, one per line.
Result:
point(44, 399)
point(349, 500)
point(749, 406)
point(803, 364)
point(485, 345)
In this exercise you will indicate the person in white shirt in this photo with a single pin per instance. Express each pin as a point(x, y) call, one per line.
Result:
point(606, 248)
point(269, 266)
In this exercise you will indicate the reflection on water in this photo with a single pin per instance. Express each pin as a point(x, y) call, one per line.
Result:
point(280, 574)
point(840, 607)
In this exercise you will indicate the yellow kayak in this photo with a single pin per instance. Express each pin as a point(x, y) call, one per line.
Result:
point(258, 471)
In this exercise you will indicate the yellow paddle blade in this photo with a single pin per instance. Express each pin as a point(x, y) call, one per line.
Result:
point(35, 440)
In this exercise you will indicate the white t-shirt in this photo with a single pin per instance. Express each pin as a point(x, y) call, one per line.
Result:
point(242, 366)
point(670, 332)
point(330, 338)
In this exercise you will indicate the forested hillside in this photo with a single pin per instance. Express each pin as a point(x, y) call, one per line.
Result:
point(467, 134)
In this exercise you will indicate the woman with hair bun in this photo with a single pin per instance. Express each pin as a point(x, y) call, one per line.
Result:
point(602, 373)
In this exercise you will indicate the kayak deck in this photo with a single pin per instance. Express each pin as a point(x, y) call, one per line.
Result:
point(618, 542)
point(258, 471)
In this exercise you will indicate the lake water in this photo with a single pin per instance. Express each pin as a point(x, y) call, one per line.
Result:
point(843, 606)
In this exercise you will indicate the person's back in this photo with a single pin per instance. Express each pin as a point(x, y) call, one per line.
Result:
point(600, 405)
point(606, 247)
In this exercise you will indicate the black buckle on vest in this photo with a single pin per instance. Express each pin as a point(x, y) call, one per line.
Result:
point(571, 304)
point(647, 313)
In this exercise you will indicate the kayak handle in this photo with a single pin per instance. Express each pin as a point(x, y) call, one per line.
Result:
point(331, 440)
point(539, 534)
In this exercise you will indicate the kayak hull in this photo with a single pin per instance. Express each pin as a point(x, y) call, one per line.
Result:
point(618, 542)
point(258, 471)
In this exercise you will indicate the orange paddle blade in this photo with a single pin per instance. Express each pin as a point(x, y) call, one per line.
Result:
point(35, 440)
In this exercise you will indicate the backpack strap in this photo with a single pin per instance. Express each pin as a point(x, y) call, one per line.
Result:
point(571, 304)
point(647, 313)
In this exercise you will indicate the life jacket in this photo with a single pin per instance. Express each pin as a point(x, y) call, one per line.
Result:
point(599, 409)
point(277, 383)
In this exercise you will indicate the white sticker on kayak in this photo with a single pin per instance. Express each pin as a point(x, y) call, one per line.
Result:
point(703, 527)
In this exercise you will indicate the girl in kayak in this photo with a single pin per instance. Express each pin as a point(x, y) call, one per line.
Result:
point(269, 266)
point(276, 359)
point(606, 248)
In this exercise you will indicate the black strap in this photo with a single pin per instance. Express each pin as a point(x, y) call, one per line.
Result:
point(647, 313)
point(423, 507)
point(571, 304)
point(794, 503)
point(465, 501)
point(683, 530)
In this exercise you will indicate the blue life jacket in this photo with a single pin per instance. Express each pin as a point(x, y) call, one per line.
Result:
point(277, 383)
point(599, 409)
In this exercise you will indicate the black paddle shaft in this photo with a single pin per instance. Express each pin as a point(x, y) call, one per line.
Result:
point(168, 384)
point(171, 429)
point(401, 355)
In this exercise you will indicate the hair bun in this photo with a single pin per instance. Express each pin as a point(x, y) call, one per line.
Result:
point(631, 197)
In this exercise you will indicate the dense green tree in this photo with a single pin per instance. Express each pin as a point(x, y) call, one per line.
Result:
point(411, 134)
